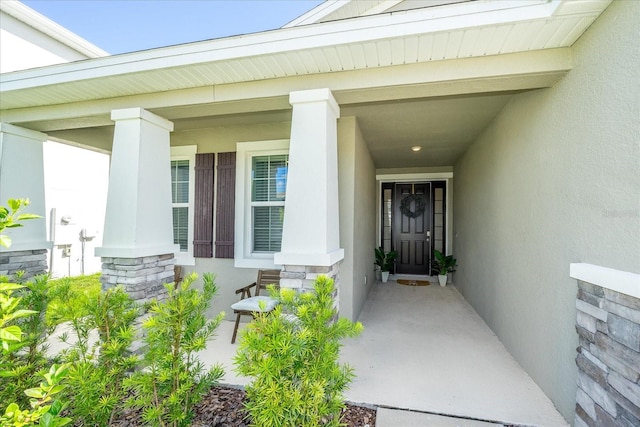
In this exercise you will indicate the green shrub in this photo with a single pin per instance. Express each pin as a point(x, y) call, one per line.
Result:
point(173, 380)
point(97, 369)
point(22, 331)
point(10, 312)
point(44, 410)
point(170, 383)
point(12, 217)
point(36, 296)
point(25, 357)
point(292, 356)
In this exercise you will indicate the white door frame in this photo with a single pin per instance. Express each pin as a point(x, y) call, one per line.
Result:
point(416, 177)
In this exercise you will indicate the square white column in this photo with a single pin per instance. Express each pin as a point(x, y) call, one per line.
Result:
point(22, 177)
point(311, 234)
point(139, 218)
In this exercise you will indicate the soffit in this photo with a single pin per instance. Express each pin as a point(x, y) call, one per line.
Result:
point(466, 30)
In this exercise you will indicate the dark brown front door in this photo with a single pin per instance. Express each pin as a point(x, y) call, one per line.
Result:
point(412, 227)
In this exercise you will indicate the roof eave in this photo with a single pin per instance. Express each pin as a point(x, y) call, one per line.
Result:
point(316, 14)
point(48, 27)
point(356, 30)
point(297, 39)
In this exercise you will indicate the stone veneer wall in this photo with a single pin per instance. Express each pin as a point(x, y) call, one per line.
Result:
point(32, 262)
point(301, 278)
point(608, 326)
point(142, 278)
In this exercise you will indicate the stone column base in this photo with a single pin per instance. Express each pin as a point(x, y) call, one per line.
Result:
point(608, 326)
point(301, 278)
point(32, 262)
point(142, 278)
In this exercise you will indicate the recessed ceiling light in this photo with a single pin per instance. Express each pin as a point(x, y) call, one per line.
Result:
point(416, 148)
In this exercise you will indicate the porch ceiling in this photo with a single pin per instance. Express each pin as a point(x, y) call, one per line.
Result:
point(443, 127)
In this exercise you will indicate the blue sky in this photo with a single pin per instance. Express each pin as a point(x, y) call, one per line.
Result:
point(120, 26)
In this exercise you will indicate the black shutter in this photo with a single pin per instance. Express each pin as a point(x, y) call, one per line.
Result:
point(203, 206)
point(226, 205)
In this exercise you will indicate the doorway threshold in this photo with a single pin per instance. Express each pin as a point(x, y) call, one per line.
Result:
point(425, 277)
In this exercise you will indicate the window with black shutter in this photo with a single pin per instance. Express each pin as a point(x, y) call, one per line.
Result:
point(203, 206)
point(225, 206)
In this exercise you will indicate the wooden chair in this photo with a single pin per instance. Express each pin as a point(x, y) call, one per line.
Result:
point(248, 305)
point(177, 274)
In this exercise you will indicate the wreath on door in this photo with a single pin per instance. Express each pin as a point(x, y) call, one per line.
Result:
point(405, 205)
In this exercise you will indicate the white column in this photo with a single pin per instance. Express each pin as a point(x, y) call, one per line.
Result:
point(22, 176)
point(311, 235)
point(138, 220)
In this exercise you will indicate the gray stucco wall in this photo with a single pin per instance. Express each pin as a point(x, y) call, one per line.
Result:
point(364, 230)
point(357, 189)
point(554, 180)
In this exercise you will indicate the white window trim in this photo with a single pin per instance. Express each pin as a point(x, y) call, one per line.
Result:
point(245, 151)
point(187, 152)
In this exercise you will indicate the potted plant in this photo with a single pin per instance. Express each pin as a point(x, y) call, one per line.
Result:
point(384, 261)
point(443, 265)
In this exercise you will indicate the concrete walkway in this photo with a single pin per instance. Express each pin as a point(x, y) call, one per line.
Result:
point(425, 350)
point(386, 417)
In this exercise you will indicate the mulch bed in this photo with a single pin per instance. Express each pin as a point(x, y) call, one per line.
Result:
point(223, 407)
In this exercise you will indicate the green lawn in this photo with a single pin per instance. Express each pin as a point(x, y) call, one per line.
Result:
point(69, 295)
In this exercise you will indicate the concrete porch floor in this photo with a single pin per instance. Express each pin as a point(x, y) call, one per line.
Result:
point(424, 349)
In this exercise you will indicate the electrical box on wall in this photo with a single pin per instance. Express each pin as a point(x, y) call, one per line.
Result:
point(64, 233)
point(87, 235)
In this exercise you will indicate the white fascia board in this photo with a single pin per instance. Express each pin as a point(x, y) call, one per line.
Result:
point(382, 7)
point(319, 12)
point(359, 30)
point(48, 27)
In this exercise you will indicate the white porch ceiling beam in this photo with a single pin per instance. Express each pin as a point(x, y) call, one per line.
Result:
point(518, 71)
point(453, 77)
